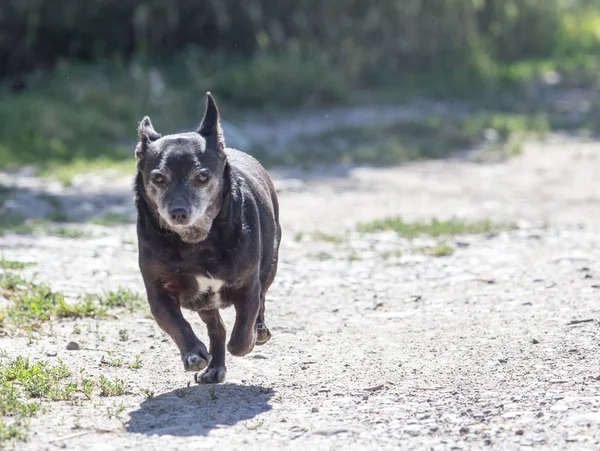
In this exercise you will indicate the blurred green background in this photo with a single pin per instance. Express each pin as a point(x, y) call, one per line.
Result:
point(76, 76)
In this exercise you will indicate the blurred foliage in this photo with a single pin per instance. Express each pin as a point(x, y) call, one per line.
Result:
point(75, 77)
point(369, 40)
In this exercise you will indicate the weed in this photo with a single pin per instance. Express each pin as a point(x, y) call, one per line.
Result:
point(253, 426)
point(99, 337)
point(213, 393)
point(87, 385)
point(110, 360)
point(354, 256)
point(442, 249)
point(147, 392)
point(137, 363)
point(323, 256)
point(322, 236)
point(115, 411)
point(388, 254)
point(123, 335)
point(116, 387)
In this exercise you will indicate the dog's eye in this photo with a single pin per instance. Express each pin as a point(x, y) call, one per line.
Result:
point(202, 176)
point(158, 179)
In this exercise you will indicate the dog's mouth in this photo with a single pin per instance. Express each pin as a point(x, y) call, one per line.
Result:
point(196, 230)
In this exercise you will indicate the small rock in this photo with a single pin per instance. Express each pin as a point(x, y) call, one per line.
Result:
point(539, 414)
point(73, 346)
point(534, 341)
point(519, 432)
point(314, 410)
point(463, 430)
point(503, 360)
point(412, 429)
point(52, 353)
point(586, 418)
point(259, 356)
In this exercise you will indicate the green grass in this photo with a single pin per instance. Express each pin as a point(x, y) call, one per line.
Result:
point(322, 236)
point(89, 124)
point(112, 219)
point(136, 364)
point(68, 170)
point(434, 228)
point(115, 387)
point(111, 360)
point(403, 141)
point(34, 302)
point(122, 298)
point(22, 226)
point(323, 256)
point(10, 264)
point(442, 249)
point(21, 381)
point(389, 254)
point(68, 232)
point(26, 386)
point(354, 256)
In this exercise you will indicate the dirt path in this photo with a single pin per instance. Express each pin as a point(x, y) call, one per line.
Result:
point(372, 349)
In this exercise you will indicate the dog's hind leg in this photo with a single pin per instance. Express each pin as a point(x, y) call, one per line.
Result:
point(262, 331)
point(243, 335)
point(217, 335)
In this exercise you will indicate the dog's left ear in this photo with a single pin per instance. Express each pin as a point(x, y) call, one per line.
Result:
point(147, 134)
point(210, 127)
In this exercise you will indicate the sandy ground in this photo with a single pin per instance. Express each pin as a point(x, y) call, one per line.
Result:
point(479, 349)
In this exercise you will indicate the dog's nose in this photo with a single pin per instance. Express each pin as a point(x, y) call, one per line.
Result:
point(179, 214)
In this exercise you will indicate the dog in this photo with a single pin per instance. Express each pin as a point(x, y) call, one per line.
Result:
point(208, 238)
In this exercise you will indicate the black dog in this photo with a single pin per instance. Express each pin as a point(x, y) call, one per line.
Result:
point(208, 232)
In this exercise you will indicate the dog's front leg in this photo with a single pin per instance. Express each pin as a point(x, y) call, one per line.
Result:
point(167, 313)
point(216, 333)
point(243, 335)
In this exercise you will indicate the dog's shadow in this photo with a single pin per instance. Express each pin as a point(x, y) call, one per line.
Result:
point(197, 409)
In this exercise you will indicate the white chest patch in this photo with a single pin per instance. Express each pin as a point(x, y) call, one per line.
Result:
point(211, 288)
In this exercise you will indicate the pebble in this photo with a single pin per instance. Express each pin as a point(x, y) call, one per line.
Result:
point(586, 418)
point(52, 353)
point(73, 346)
point(412, 429)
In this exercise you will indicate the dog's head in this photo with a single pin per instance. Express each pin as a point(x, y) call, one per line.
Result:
point(182, 174)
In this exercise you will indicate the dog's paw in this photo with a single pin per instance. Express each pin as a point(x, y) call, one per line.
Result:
point(197, 360)
point(213, 375)
point(262, 334)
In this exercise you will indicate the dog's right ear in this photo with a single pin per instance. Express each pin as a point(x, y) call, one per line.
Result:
point(147, 134)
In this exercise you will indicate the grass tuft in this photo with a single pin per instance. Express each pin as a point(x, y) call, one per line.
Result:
point(434, 228)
